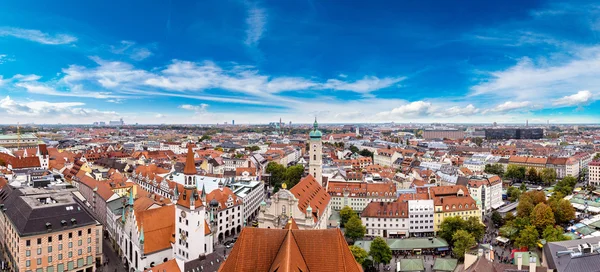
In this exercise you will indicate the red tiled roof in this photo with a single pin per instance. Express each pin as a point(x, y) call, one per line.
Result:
point(286, 250)
point(310, 193)
point(190, 164)
point(397, 209)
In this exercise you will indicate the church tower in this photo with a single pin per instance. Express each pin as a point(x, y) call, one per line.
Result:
point(189, 171)
point(192, 237)
point(316, 153)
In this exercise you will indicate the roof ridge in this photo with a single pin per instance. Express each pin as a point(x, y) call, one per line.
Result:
point(301, 254)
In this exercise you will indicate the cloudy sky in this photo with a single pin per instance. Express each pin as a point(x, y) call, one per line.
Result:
point(342, 61)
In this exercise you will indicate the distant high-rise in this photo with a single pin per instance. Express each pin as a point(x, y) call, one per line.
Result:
point(527, 123)
point(233, 122)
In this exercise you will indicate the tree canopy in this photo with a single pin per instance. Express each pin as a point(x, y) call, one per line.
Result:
point(354, 228)
point(451, 225)
point(528, 237)
point(280, 174)
point(346, 213)
point(542, 216)
point(380, 251)
point(566, 185)
point(495, 169)
point(554, 234)
point(548, 176)
point(354, 149)
point(532, 175)
point(513, 193)
point(360, 255)
point(515, 172)
point(462, 241)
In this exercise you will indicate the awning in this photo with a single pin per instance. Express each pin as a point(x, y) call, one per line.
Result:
point(497, 205)
point(502, 239)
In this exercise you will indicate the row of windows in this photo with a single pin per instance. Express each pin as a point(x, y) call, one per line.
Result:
point(81, 262)
point(60, 247)
point(60, 237)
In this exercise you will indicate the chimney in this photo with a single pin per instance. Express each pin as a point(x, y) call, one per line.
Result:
point(532, 261)
point(519, 262)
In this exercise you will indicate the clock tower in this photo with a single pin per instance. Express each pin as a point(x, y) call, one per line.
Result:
point(316, 153)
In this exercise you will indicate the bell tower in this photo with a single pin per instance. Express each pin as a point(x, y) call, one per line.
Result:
point(189, 171)
point(316, 153)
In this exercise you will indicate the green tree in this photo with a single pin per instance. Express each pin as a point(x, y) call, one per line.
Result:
point(346, 213)
point(205, 137)
point(597, 156)
point(354, 149)
point(354, 228)
point(293, 174)
point(532, 175)
point(462, 241)
point(509, 217)
point(360, 255)
point(218, 148)
point(277, 172)
point(566, 185)
point(523, 188)
point(528, 237)
point(524, 209)
point(478, 141)
point(253, 148)
point(554, 234)
point(449, 226)
point(366, 153)
point(497, 218)
point(513, 193)
point(476, 228)
point(515, 172)
point(548, 176)
point(563, 209)
point(496, 169)
point(380, 251)
point(542, 216)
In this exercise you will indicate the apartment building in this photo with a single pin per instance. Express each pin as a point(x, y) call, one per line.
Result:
point(594, 173)
point(69, 240)
point(357, 195)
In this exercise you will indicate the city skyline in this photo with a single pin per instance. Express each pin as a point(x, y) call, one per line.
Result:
point(254, 62)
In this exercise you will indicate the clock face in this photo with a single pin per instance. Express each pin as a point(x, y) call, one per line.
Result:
point(183, 214)
point(315, 146)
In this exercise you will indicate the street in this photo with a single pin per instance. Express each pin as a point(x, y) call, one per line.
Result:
point(114, 262)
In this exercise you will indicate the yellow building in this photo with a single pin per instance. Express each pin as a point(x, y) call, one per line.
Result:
point(452, 201)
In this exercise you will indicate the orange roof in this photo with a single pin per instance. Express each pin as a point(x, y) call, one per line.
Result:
point(310, 193)
point(186, 194)
point(27, 162)
point(250, 170)
point(361, 188)
point(221, 196)
point(397, 209)
point(190, 164)
point(170, 266)
point(286, 250)
point(206, 228)
point(291, 224)
point(159, 226)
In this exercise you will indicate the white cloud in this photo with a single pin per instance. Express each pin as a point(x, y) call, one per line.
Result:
point(188, 78)
point(365, 85)
point(459, 111)
point(159, 115)
point(34, 87)
point(196, 108)
point(528, 80)
point(509, 106)
point(256, 24)
point(3, 58)
point(581, 98)
point(131, 49)
point(50, 111)
point(416, 108)
point(37, 36)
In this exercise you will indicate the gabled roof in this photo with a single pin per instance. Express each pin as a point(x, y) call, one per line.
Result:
point(159, 226)
point(310, 193)
point(285, 250)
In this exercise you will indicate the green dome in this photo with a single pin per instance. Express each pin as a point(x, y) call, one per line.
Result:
point(315, 134)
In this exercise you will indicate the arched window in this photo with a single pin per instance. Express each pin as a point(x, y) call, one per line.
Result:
point(283, 209)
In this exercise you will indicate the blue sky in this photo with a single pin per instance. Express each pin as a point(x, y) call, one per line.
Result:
point(257, 61)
